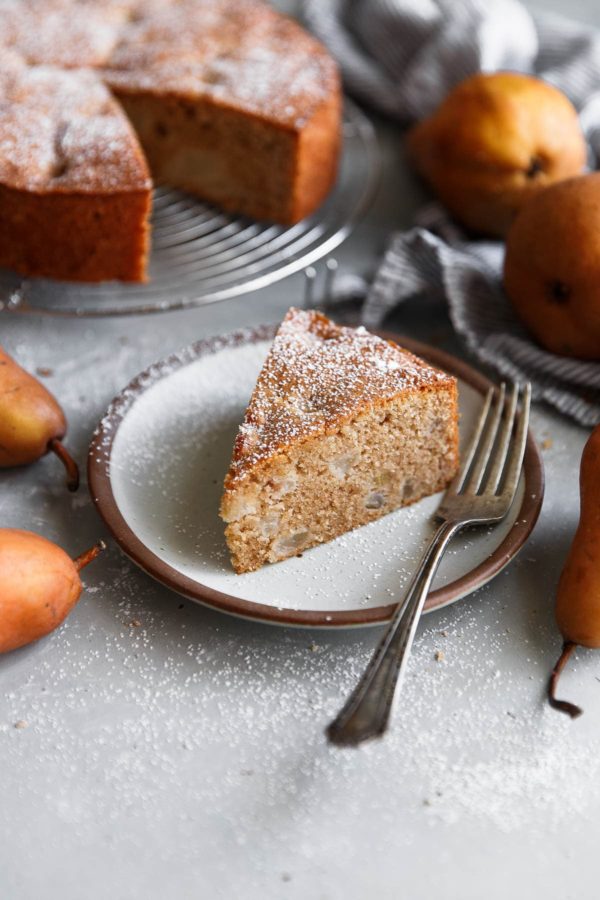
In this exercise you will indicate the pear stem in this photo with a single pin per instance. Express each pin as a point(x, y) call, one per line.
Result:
point(80, 561)
point(563, 705)
point(68, 462)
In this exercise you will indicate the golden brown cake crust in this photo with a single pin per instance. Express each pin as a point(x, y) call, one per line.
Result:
point(317, 375)
point(234, 102)
point(75, 191)
point(62, 132)
point(63, 33)
point(111, 230)
point(235, 67)
point(240, 54)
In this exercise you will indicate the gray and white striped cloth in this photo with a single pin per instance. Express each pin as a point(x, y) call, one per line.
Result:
point(401, 57)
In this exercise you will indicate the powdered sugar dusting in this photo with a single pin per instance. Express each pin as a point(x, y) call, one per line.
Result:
point(185, 755)
point(317, 375)
point(61, 32)
point(238, 52)
point(212, 732)
point(61, 130)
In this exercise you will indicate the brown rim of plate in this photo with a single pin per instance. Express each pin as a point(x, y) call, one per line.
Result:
point(101, 491)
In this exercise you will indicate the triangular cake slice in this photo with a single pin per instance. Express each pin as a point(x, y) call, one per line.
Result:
point(342, 428)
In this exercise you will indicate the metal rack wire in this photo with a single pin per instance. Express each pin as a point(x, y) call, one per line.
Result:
point(201, 255)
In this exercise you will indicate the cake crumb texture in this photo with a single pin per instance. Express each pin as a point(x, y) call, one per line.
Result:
point(342, 428)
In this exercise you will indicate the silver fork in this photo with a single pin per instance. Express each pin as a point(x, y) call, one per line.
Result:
point(482, 492)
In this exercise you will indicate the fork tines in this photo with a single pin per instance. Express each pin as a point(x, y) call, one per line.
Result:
point(492, 461)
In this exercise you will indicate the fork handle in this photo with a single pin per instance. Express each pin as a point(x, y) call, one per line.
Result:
point(367, 711)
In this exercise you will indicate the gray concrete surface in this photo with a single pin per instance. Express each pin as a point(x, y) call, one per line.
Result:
point(166, 751)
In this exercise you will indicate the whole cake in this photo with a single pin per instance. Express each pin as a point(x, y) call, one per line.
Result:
point(228, 99)
point(342, 428)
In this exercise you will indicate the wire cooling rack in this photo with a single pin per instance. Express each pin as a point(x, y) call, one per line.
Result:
point(201, 255)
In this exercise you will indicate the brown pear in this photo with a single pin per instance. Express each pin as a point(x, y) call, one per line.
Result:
point(39, 586)
point(578, 594)
point(492, 143)
point(31, 421)
point(552, 267)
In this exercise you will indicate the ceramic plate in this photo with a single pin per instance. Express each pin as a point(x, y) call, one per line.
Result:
point(156, 469)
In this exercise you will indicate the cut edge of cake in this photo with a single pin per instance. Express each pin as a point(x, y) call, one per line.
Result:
point(342, 428)
point(254, 128)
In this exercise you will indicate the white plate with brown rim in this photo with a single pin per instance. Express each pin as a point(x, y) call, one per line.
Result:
point(156, 467)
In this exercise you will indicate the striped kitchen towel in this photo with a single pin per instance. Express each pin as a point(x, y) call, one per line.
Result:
point(401, 57)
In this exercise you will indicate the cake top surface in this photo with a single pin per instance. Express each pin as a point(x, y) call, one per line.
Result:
point(318, 375)
point(61, 130)
point(239, 53)
point(64, 33)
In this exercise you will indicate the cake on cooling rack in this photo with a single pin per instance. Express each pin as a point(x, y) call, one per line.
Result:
point(229, 99)
point(342, 428)
point(75, 191)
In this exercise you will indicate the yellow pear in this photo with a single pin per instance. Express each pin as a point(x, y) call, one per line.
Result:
point(552, 267)
point(39, 586)
point(31, 421)
point(493, 142)
point(578, 594)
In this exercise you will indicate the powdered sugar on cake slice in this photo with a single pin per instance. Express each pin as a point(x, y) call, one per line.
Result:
point(318, 374)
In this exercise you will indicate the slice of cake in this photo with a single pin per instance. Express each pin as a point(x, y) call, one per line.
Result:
point(342, 428)
point(75, 191)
